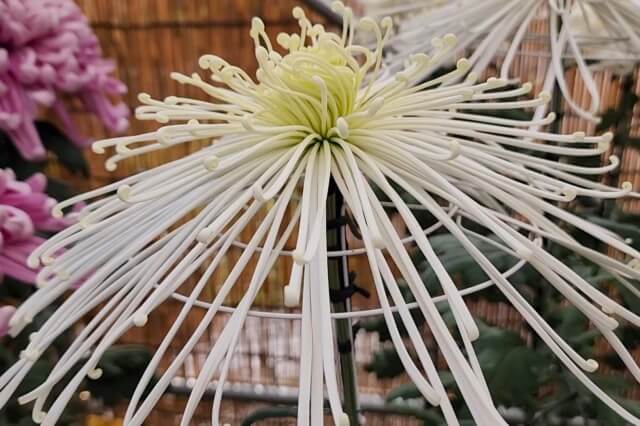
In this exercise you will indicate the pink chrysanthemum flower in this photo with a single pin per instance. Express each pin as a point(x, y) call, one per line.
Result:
point(48, 49)
point(24, 209)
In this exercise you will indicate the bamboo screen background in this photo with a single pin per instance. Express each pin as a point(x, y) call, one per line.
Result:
point(151, 38)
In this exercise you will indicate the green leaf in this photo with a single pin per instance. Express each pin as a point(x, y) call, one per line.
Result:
point(385, 364)
point(572, 322)
point(606, 416)
point(510, 367)
point(611, 382)
point(403, 391)
point(514, 379)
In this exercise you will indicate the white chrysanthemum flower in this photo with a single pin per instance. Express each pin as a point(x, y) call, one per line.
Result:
point(321, 111)
point(589, 33)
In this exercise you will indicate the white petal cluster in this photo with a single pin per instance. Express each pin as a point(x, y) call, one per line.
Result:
point(324, 110)
point(588, 33)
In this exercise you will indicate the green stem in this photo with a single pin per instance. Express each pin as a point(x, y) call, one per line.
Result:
point(338, 281)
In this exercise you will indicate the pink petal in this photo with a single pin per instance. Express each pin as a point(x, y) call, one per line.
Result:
point(17, 270)
point(6, 312)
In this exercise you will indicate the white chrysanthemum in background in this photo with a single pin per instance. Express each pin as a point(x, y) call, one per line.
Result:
point(587, 33)
point(318, 112)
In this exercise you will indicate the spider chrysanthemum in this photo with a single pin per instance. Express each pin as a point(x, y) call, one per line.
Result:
point(588, 33)
point(321, 111)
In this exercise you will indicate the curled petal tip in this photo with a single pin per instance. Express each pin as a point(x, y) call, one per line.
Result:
point(140, 319)
point(473, 332)
point(298, 257)
point(23, 400)
point(297, 12)
point(615, 160)
point(205, 236)
point(283, 39)
point(95, 373)
point(111, 165)
point(33, 262)
point(180, 78)
point(211, 62)
point(592, 365)
point(337, 6)
point(608, 137)
point(124, 192)
point(211, 163)
point(463, 64)
point(344, 420)
point(604, 145)
point(258, 24)
point(38, 416)
point(467, 94)
point(545, 96)
point(144, 97)
point(30, 354)
point(342, 127)
point(97, 149)
point(56, 212)
point(291, 297)
point(494, 82)
point(449, 39)
point(608, 309)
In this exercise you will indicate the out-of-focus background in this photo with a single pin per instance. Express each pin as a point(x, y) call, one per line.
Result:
point(148, 39)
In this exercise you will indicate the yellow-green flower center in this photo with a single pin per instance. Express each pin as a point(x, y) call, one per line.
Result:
point(311, 87)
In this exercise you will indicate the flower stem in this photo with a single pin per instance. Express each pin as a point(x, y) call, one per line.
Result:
point(338, 281)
